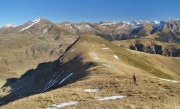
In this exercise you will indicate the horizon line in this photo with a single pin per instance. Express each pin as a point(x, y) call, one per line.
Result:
point(87, 21)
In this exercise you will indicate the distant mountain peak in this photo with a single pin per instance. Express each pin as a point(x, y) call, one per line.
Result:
point(37, 20)
point(31, 24)
point(8, 25)
point(106, 23)
point(159, 26)
point(153, 22)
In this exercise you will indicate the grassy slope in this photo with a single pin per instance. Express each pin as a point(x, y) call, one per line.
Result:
point(114, 78)
point(168, 65)
point(17, 55)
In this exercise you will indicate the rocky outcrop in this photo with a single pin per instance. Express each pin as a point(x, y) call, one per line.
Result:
point(156, 49)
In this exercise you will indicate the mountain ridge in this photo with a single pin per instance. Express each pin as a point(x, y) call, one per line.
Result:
point(92, 62)
point(110, 30)
point(164, 31)
point(43, 64)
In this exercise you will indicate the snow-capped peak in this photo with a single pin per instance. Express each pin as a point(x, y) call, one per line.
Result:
point(159, 26)
point(31, 24)
point(134, 22)
point(156, 22)
point(9, 25)
point(126, 22)
point(153, 22)
point(108, 23)
point(37, 20)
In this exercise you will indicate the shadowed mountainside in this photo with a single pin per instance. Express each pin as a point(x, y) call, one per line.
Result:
point(20, 53)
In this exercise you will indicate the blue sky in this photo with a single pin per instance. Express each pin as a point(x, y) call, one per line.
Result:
point(20, 11)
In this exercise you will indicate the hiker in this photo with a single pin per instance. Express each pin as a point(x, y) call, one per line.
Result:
point(134, 78)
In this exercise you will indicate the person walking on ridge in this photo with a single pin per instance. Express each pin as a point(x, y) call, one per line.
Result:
point(134, 78)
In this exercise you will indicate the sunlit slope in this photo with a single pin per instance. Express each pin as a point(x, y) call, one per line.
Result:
point(94, 63)
point(103, 50)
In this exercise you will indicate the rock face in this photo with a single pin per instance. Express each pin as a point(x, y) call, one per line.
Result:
point(156, 49)
point(158, 27)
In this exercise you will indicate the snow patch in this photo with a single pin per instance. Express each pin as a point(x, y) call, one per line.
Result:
point(153, 22)
point(106, 65)
point(74, 49)
point(65, 78)
point(156, 22)
point(92, 90)
point(45, 31)
point(95, 56)
point(126, 22)
point(116, 57)
point(34, 22)
point(135, 22)
point(159, 27)
point(48, 85)
point(67, 24)
point(168, 80)
point(106, 23)
point(121, 27)
point(138, 27)
point(9, 25)
point(105, 48)
point(57, 106)
point(111, 98)
point(87, 26)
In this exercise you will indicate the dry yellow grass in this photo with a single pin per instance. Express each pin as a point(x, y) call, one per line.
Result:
point(112, 73)
point(20, 53)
